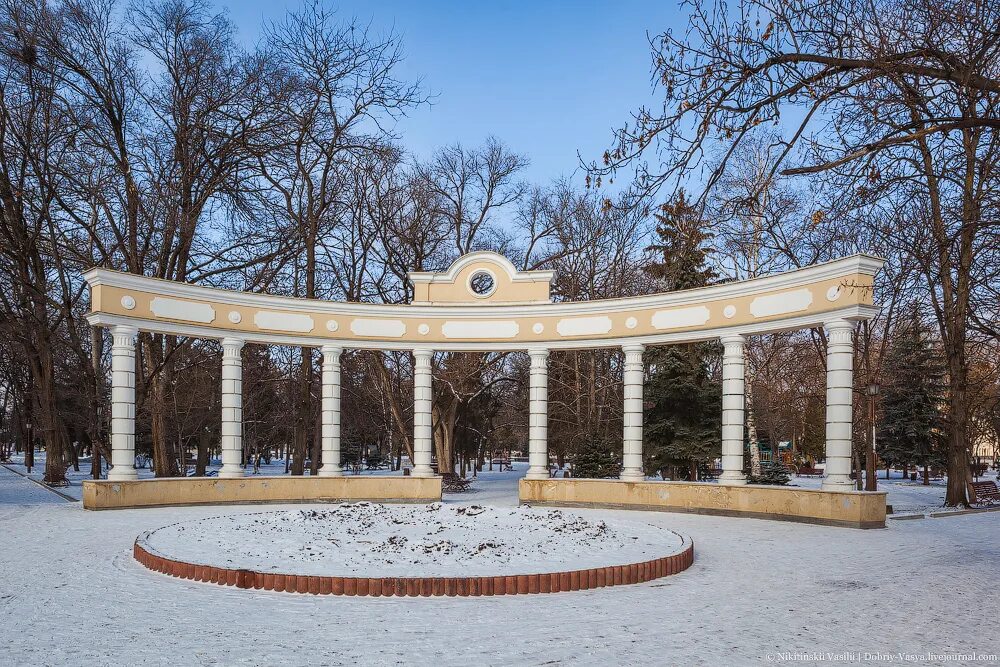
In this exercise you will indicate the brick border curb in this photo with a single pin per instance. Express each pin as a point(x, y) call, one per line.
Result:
point(548, 582)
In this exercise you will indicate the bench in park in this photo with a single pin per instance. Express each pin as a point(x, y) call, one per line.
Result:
point(984, 493)
point(806, 471)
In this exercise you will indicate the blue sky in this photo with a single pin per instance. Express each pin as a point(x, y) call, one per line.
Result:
point(547, 78)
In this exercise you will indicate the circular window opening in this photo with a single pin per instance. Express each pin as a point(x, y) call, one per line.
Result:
point(482, 283)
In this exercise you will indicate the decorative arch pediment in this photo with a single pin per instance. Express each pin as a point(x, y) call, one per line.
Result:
point(482, 277)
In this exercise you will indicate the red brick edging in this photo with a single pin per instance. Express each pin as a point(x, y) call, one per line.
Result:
point(549, 582)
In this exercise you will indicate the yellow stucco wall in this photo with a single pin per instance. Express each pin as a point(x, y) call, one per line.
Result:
point(855, 509)
point(104, 494)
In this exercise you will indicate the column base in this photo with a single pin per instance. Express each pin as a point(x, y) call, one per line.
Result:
point(229, 473)
point(632, 476)
point(422, 471)
point(331, 471)
point(537, 473)
point(838, 483)
point(732, 478)
point(125, 475)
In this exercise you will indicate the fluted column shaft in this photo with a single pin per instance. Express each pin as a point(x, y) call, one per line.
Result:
point(733, 415)
point(538, 415)
point(232, 407)
point(839, 405)
point(123, 403)
point(423, 432)
point(632, 376)
point(330, 407)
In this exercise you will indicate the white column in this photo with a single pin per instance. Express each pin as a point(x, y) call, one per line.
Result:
point(331, 412)
point(232, 407)
point(423, 432)
point(632, 377)
point(733, 402)
point(123, 403)
point(538, 415)
point(839, 404)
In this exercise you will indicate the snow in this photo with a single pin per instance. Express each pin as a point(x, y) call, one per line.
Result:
point(70, 593)
point(375, 540)
point(905, 496)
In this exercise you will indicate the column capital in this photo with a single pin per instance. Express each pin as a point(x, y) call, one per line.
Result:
point(538, 353)
point(334, 350)
point(732, 345)
point(423, 353)
point(839, 331)
point(839, 323)
point(634, 348)
point(233, 343)
point(124, 330)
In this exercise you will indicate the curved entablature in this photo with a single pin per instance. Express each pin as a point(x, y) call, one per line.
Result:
point(515, 313)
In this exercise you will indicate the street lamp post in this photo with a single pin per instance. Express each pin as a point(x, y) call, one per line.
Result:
point(871, 484)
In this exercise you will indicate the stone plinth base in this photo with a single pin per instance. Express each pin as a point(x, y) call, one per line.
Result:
point(100, 495)
point(851, 509)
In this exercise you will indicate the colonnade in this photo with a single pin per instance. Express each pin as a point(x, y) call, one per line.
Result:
point(839, 401)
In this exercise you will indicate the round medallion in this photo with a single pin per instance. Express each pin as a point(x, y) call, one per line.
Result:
point(331, 325)
point(538, 327)
point(128, 303)
point(482, 283)
point(423, 330)
point(631, 323)
point(235, 317)
point(833, 293)
point(729, 311)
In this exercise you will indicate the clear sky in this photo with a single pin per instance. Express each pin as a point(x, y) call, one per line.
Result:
point(548, 78)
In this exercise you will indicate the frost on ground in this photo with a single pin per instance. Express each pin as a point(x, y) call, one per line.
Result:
point(71, 594)
point(375, 540)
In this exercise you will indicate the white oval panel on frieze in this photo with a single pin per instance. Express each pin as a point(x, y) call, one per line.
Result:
point(680, 317)
point(378, 328)
point(583, 326)
point(480, 329)
point(176, 309)
point(780, 304)
point(265, 319)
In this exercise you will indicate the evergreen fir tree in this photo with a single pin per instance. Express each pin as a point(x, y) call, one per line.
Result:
point(774, 473)
point(910, 429)
point(683, 421)
point(596, 460)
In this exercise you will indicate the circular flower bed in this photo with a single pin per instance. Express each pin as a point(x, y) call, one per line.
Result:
point(375, 549)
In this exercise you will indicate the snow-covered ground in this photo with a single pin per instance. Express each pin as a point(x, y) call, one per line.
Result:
point(376, 540)
point(759, 592)
point(905, 496)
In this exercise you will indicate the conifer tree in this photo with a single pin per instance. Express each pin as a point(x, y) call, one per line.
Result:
point(683, 420)
point(911, 428)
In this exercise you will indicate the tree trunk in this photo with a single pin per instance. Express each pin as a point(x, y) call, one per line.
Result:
point(97, 403)
point(304, 420)
point(201, 462)
point(752, 426)
point(47, 412)
point(157, 379)
point(958, 460)
point(317, 447)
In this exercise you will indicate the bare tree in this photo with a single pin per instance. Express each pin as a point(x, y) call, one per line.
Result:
point(897, 100)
